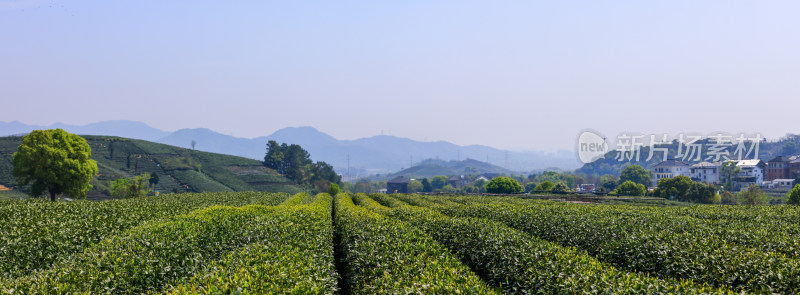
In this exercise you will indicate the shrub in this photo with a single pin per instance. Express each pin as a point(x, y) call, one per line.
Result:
point(728, 198)
point(131, 188)
point(333, 190)
point(752, 196)
point(793, 196)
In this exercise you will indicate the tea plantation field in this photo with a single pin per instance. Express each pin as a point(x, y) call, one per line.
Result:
point(257, 243)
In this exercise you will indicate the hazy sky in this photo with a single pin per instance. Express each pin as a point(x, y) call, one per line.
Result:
point(510, 74)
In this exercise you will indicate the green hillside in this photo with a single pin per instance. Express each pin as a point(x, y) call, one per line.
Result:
point(179, 170)
point(431, 167)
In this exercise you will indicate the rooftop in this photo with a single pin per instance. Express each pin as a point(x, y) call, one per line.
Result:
point(399, 179)
point(749, 163)
point(707, 165)
point(671, 163)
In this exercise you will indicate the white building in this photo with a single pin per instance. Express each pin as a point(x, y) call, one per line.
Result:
point(779, 183)
point(706, 172)
point(752, 173)
point(669, 169)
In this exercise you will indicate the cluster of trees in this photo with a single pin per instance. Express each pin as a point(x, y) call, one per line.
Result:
point(563, 182)
point(753, 195)
point(548, 186)
point(682, 188)
point(440, 184)
point(295, 163)
point(138, 186)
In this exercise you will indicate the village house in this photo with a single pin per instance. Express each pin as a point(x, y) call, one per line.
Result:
point(484, 178)
point(779, 184)
point(669, 169)
point(705, 172)
point(752, 173)
point(457, 181)
point(398, 185)
point(794, 167)
point(778, 168)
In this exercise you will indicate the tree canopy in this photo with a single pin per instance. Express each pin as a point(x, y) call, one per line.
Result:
point(561, 188)
point(415, 186)
point(682, 188)
point(503, 185)
point(130, 188)
point(426, 185)
point(55, 162)
point(295, 163)
point(438, 182)
point(630, 188)
point(728, 172)
point(635, 173)
point(545, 186)
point(673, 188)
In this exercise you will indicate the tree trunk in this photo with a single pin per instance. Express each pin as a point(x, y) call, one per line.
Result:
point(52, 196)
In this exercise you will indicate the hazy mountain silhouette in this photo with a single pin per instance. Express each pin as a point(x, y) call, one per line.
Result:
point(122, 128)
point(376, 154)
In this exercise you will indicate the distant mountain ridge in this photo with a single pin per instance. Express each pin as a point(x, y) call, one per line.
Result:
point(364, 156)
point(121, 128)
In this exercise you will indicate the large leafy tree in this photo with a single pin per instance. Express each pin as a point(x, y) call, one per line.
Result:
point(635, 173)
point(426, 185)
point(54, 162)
point(503, 185)
point(728, 172)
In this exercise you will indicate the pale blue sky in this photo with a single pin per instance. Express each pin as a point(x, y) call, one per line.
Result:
point(509, 74)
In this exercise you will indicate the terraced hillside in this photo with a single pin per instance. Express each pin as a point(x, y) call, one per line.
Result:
point(178, 169)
